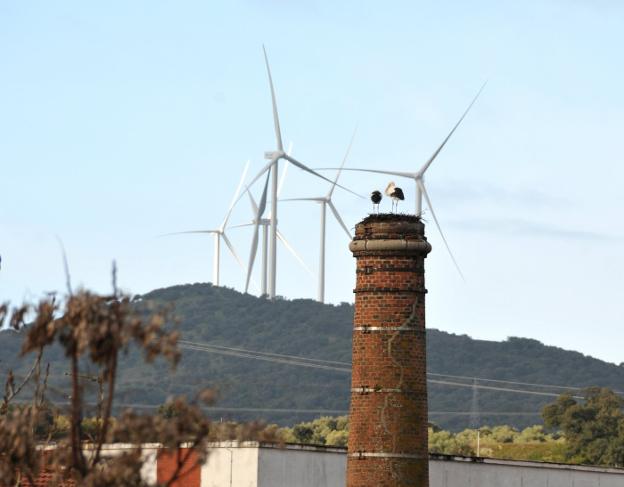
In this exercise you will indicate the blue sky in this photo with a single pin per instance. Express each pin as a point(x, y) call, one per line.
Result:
point(121, 121)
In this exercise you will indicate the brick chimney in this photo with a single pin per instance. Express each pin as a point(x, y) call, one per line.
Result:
point(388, 413)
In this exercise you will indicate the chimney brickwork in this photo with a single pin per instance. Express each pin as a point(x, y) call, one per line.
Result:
point(388, 411)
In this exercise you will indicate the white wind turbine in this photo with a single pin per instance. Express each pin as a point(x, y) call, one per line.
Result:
point(325, 201)
point(265, 223)
point(219, 233)
point(419, 175)
point(271, 171)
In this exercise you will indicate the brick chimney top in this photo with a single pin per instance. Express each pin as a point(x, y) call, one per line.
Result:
point(391, 233)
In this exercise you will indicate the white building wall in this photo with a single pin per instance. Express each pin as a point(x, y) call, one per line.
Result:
point(231, 465)
point(301, 467)
point(459, 472)
point(149, 452)
point(148, 470)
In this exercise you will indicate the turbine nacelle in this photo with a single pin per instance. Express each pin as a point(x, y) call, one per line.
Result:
point(274, 155)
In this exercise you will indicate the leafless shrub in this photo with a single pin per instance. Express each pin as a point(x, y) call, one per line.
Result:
point(97, 328)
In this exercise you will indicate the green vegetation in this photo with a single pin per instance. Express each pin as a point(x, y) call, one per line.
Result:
point(322, 431)
point(531, 443)
point(307, 328)
point(594, 427)
point(583, 430)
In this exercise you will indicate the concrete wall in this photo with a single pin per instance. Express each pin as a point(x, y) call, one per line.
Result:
point(231, 465)
point(246, 465)
point(301, 467)
point(459, 472)
point(149, 455)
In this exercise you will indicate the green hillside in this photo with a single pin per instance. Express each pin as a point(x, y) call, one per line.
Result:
point(223, 316)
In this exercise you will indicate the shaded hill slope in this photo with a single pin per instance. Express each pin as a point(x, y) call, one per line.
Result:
point(306, 328)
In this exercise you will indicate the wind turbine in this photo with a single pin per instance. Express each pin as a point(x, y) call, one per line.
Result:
point(325, 201)
point(219, 233)
point(271, 171)
point(419, 175)
point(265, 223)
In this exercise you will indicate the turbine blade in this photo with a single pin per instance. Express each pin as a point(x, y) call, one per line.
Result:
point(435, 154)
point(282, 179)
point(263, 198)
point(252, 256)
point(235, 198)
point(435, 219)
point(252, 202)
point(291, 249)
point(403, 174)
point(266, 168)
point(254, 241)
point(303, 199)
point(307, 169)
point(338, 217)
point(344, 160)
point(232, 251)
point(242, 225)
point(278, 132)
point(65, 265)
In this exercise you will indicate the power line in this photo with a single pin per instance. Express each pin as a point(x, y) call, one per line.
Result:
point(261, 356)
point(264, 358)
point(210, 408)
point(301, 411)
point(493, 388)
point(318, 363)
point(250, 410)
point(502, 381)
point(326, 411)
point(338, 366)
point(269, 354)
point(327, 365)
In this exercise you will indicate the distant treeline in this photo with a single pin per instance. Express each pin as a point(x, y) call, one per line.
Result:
point(582, 431)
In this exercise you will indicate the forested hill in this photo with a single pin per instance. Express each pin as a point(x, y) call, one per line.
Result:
point(275, 391)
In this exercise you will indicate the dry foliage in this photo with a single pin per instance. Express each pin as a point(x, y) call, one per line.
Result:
point(97, 329)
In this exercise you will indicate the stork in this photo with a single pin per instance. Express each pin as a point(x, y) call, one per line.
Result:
point(376, 199)
point(395, 193)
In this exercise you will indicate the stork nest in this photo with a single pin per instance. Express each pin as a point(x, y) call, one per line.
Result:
point(391, 217)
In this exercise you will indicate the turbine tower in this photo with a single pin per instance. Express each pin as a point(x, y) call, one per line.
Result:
point(325, 201)
point(219, 233)
point(265, 224)
point(271, 171)
point(418, 178)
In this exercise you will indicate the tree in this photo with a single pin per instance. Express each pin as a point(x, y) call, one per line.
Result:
point(450, 443)
point(93, 331)
point(504, 434)
point(322, 431)
point(593, 428)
